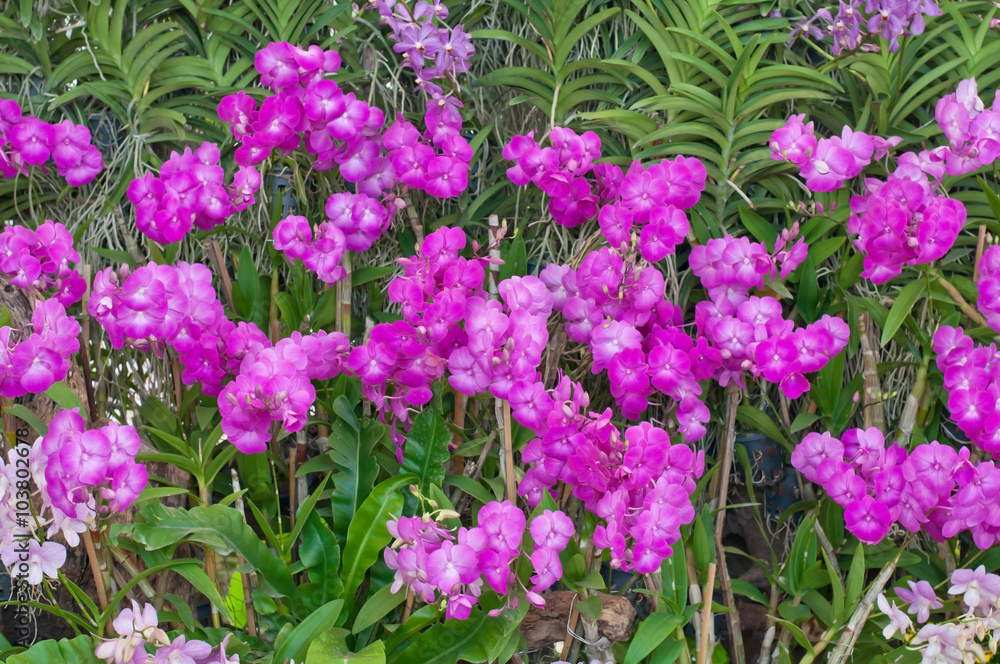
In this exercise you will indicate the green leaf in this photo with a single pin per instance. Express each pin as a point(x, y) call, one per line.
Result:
point(469, 486)
point(220, 527)
point(856, 576)
point(368, 535)
point(802, 420)
point(115, 255)
point(759, 421)
point(702, 544)
point(332, 649)
point(652, 631)
point(320, 553)
point(28, 417)
point(901, 308)
point(590, 607)
point(468, 640)
point(6, 320)
point(796, 632)
point(62, 394)
point(747, 589)
point(365, 275)
point(354, 454)
point(67, 651)
point(319, 622)
point(377, 607)
point(426, 449)
point(763, 230)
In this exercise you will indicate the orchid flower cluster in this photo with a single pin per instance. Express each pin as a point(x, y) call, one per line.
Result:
point(652, 197)
point(988, 284)
point(307, 109)
point(190, 190)
point(903, 220)
point(138, 628)
point(173, 305)
point(639, 483)
point(28, 141)
point(273, 384)
point(850, 27)
point(268, 383)
point(83, 476)
point(616, 304)
point(972, 130)
point(432, 52)
point(40, 260)
point(33, 358)
point(933, 488)
point(971, 637)
point(972, 381)
point(434, 561)
point(436, 289)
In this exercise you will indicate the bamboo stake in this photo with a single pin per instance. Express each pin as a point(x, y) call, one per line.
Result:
point(343, 318)
point(733, 616)
point(872, 394)
point(211, 564)
point(980, 245)
point(215, 257)
point(706, 615)
point(88, 380)
point(247, 578)
point(95, 568)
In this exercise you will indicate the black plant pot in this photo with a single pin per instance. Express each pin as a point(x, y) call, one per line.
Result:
point(278, 179)
point(781, 495)
point(766, 459)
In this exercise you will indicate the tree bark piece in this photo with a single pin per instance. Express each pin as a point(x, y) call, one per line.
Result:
point(543, 627)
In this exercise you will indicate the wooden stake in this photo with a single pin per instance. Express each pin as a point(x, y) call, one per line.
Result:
point(214, 252)
point(706, 616)
point(980, 245)
point(247, 578)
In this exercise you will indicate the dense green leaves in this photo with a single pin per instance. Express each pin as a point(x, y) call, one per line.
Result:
point(426, 449)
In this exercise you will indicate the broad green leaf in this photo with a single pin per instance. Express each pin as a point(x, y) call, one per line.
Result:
point(21, 412)
point(759, 421)
point(376, 608)
point(62, 394)
point(319, 622)
point(353, 453)
point(750, 591)
point(763, 230)
point(115, 255)
point(856, 576)
point(802, 420)
point(702, 544)
point(368, 535)
point(320, 553)
point(469, 640)
point(332, 649)
point(652, 631)
point(901, 308)
point(220, 527)
point(67, 651)
point(426, 449)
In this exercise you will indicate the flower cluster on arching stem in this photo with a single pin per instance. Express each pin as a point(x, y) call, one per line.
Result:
point(138, 630)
